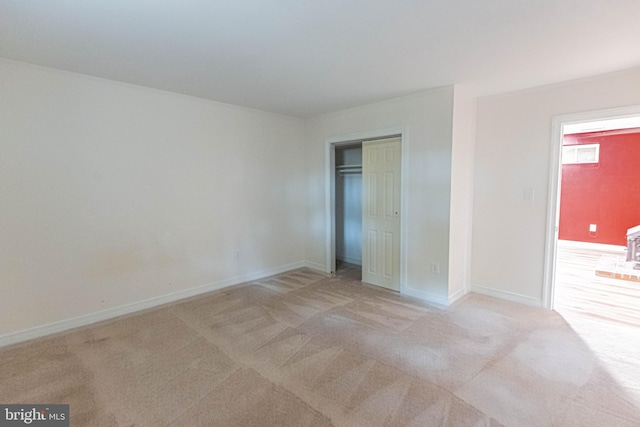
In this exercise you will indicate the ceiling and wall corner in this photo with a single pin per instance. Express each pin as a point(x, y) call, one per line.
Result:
point(310, 58)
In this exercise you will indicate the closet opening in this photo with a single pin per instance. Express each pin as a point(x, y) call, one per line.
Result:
point(364, 199)
point(348, 211)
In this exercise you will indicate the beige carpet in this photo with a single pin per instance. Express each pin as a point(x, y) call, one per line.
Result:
point(301, 349)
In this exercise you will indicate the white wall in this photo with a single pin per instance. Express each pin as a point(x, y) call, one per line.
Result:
point(427, 119)
point(113, 194)
point(462, 158)
point(512, 154)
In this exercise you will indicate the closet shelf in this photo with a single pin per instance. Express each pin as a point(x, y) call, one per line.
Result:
point(349, 169)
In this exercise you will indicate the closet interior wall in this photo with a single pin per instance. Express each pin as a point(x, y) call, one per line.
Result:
point(348, 194)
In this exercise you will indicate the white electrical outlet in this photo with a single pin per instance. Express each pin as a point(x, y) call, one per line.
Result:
point(593, 228)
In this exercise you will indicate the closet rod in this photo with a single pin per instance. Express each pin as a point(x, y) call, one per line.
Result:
point(349, 169)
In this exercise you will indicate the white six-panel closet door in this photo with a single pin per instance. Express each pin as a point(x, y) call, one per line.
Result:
point(381, 213)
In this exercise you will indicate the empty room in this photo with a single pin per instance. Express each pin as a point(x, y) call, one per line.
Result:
point(337, 213)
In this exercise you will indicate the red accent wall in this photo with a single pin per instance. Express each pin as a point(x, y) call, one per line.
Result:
point(606, 193)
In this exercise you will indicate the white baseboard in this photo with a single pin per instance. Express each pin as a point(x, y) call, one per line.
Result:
point(457, 295)
point(505, 295)
point(434, 298)
point(316, 266)
point(87, 319)
point(426, 296)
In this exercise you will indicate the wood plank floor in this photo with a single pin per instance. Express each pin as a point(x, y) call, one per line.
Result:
point(579, 291)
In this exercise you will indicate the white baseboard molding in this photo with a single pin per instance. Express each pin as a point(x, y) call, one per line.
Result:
point(98, 316)
point(426, 296)
point(432, 298)
point(457, 295)
point(317, 267)
point(506, 295)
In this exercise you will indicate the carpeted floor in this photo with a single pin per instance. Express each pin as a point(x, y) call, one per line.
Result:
point(302, 349)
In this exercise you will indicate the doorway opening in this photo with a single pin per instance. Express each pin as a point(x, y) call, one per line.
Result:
point(348, 211)
point(364, 199)
point(595, 203)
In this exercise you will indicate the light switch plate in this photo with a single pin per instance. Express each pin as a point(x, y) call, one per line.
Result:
point(529, 194)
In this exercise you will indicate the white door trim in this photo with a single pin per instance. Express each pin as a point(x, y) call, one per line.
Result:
point(555, 178)
point(330, 236)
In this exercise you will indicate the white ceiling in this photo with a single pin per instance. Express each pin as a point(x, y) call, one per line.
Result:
point(305, 58)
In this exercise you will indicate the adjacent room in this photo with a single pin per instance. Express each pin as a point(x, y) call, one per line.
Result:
point(319, 214)
point(599, 221)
